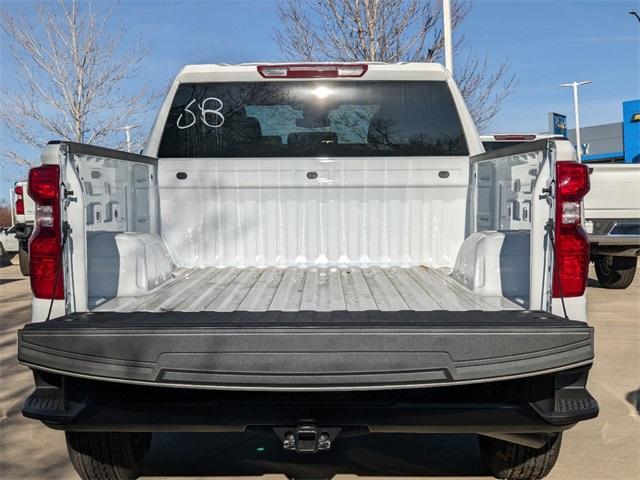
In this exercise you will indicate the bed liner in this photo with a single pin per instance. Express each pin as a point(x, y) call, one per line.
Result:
point(257, 289)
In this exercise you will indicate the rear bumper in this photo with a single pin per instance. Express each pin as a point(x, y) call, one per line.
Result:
point(615, 236)
point(544, 404)
point(616, 245)
point(630, 240)
point(306, 351)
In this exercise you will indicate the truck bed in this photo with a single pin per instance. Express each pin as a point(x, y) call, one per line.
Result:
point(294, 289)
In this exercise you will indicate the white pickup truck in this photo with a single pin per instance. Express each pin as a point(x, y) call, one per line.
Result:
point(310, 251)
point(8, 241)
point(612, 219)
point(23, 211)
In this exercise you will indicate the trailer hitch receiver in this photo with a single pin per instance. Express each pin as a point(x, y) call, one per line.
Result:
point(306, 438)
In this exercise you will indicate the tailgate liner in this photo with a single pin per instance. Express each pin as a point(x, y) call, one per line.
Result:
point(306, 350)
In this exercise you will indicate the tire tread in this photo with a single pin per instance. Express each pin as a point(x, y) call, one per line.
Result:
point(23, 258)
point(511, 461)
point(103, 455)
point(623, 272)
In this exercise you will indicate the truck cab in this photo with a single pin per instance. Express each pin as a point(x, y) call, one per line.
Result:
point(310, 251)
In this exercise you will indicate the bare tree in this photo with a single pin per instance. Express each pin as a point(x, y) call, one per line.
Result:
point(5, 214)
point(391, 31)
point(73, 78)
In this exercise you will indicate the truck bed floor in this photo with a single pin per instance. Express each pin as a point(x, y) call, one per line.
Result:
point(295, 289)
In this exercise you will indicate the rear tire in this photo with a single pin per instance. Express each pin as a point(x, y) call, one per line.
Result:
point(107, 455)
point(511, 461)
point(615, 272)
point(23, 257)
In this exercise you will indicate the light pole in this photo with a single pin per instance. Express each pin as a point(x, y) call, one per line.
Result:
point(575, 86)
point(447, 31)
point(127, 133)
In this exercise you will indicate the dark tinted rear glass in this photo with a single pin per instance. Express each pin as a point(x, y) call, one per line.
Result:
point(328, 118)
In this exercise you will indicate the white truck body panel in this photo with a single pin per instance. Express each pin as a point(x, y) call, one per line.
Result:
point(358, 211)
point(615, 191)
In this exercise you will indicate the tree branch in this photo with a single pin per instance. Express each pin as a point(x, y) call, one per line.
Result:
point(75, 78)
point(392, 31)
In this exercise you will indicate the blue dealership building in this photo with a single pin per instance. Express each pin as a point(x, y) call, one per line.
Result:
point(612, 142)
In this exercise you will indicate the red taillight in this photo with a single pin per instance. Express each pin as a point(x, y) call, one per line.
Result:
point(318, 70)
point(45, 244)
point(19, 200)
point(571, 241)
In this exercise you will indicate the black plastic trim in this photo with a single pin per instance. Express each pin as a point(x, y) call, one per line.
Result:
point(306, 350)
point(514, 406)
point(85, 149)
point(524, 147)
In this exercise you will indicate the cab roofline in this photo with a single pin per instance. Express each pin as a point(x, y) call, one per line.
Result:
point(214, 67)
point(249, 71)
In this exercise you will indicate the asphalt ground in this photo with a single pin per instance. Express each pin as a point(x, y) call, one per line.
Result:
point(607, 447)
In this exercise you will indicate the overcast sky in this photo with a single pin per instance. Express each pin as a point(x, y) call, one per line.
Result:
point(548, 43)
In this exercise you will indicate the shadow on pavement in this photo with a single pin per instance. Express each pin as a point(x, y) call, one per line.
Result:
point(211, 454)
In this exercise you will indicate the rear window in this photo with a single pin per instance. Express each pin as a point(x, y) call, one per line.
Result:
point(327, 118)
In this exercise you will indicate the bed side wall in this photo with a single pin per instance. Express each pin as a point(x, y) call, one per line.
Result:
point(313, 211)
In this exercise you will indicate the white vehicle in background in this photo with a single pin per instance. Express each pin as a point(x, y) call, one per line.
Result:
point(611, 212)
point(612, 219)
point(23, 211)
point(8, 241)
point(308, 251)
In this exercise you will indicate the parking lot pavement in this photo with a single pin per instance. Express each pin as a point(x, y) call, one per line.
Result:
point(606, 447)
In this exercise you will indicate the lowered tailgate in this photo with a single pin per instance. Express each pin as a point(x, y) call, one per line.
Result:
point(306, 350)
